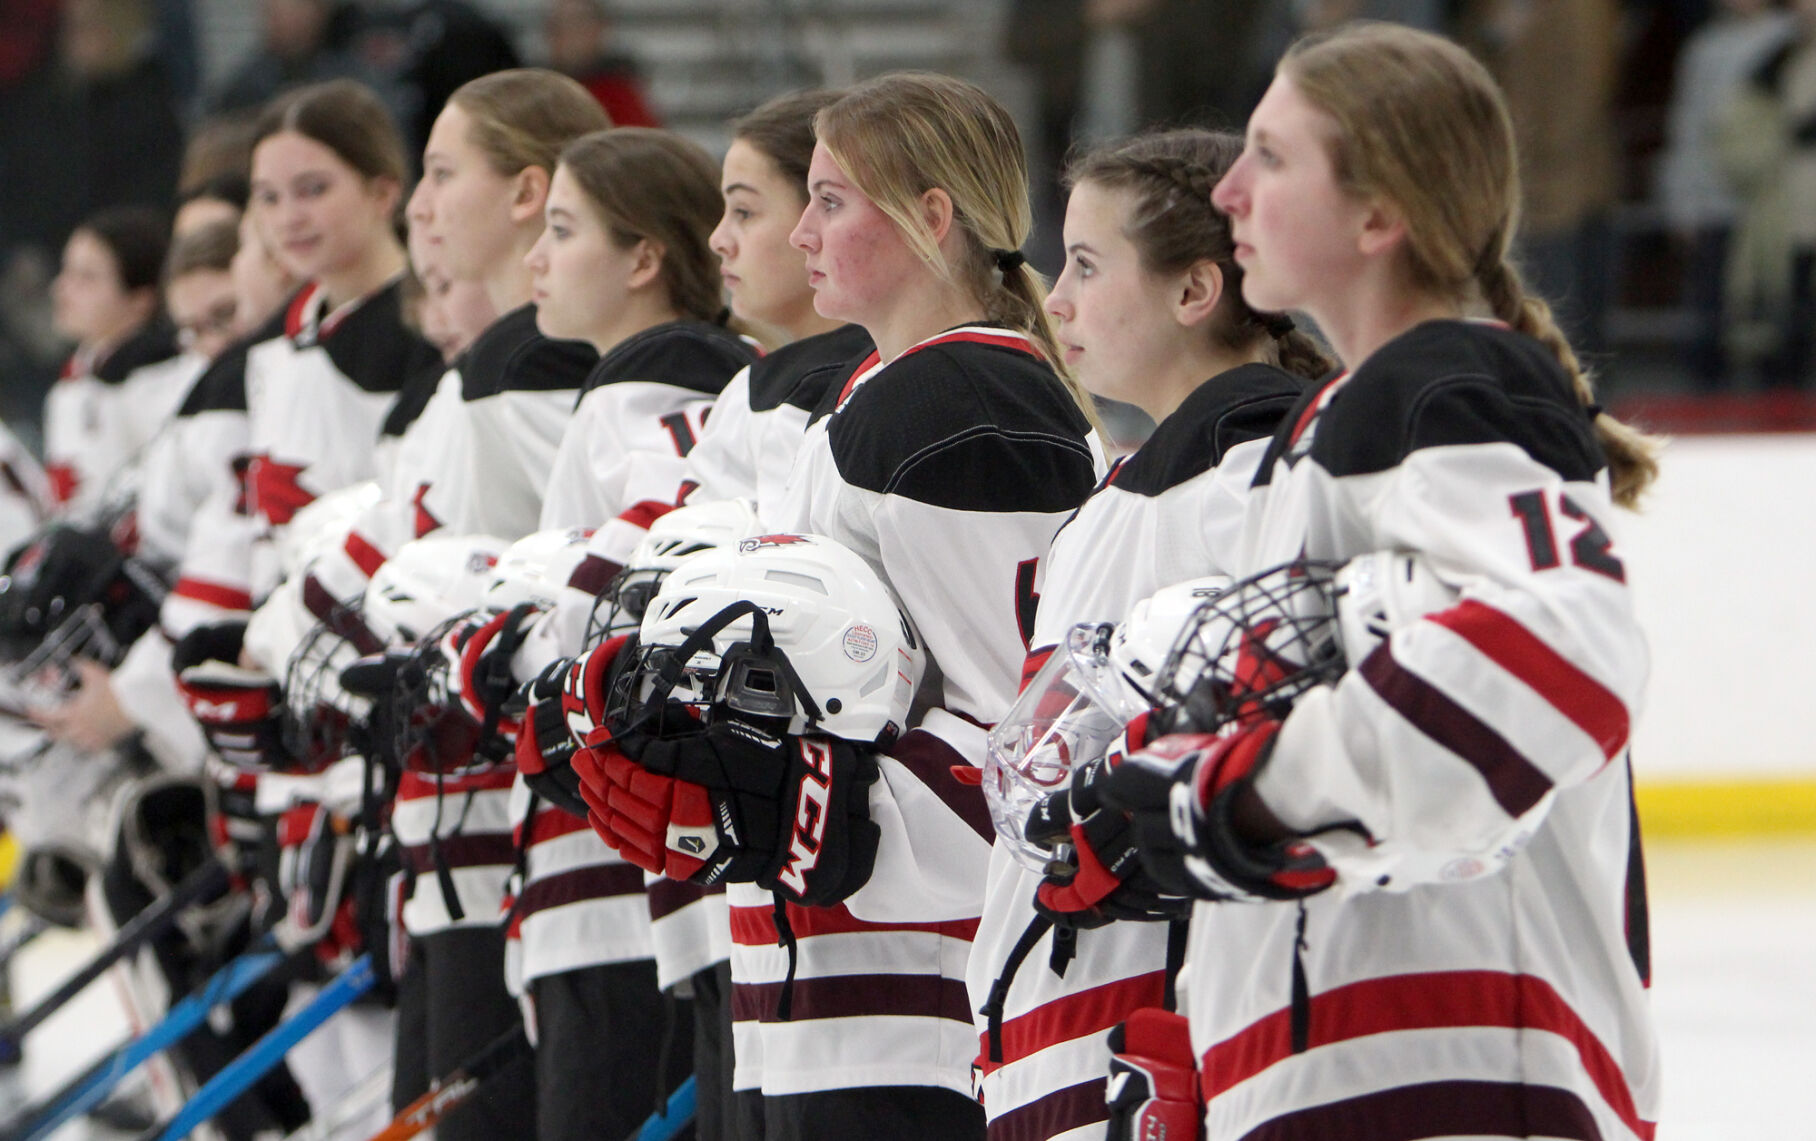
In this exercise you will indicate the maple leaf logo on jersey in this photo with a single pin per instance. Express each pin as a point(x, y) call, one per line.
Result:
point(63, 482)
point(277, 493)
point(758, 542)
point(425, 519)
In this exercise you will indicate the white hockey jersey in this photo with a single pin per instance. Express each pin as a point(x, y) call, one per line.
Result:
point(1170, 512)
point(948, 470)
point(95, 422)
point(1480, 967)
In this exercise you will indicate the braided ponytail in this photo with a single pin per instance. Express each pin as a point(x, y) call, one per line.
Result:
point(1632, 455)
point(1169, 176)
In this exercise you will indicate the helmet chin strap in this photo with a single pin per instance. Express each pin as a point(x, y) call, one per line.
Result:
point(762, 642)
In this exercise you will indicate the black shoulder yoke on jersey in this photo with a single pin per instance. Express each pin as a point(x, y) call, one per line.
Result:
point(373, 348)
point(513, 356)
point(155, 342)
point(1447, 383)
point(969, 427)
point(801, 373)
point(1246, 403)
point(222, 386)
point(697, 355)
point(418, 388)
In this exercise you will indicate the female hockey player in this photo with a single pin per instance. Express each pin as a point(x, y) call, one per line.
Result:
point(1148, 310)
point(1426, 915)
point(108, 299)
point(953, 454)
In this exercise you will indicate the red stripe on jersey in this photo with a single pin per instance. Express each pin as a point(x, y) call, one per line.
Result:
point(413, 785)
point(1589, 704)
point(1515, 782)
point(63, 482)
point(1074, 1015)
point(856, 996)
point(297, 315)
point(1000, 340)
point(1317, 405)
point(756, 926)
point(1433, 1000)
point(1439, 1109)
point(365, 556)
point(1063, 1110)
point(644, 512)
point(212, 593)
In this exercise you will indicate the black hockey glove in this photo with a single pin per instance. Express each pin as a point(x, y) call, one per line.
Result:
point(1103, 879)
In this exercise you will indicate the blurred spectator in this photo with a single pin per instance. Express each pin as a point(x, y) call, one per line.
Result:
point(1767, 143)
point(1699, 200)
point(428, 49)
point(128, 137)
point(1557, 61)
point(305, 41)
point(579, 34)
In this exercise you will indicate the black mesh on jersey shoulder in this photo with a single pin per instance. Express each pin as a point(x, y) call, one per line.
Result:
point(512, 355)
point(968, 427)
point(1246, 403)
point(374, 348)
point(687, 354)
point(1456, 382)
point(155, 342)
point(800, 373)
point(418, 388)
point(222, 385)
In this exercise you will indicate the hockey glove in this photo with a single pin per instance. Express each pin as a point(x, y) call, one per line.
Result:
point(479, 658)
point(1180, 793)
point(240, 710)
point(545, 748)
point(1103, 880)
point(739, 803)
point(1153, 1093)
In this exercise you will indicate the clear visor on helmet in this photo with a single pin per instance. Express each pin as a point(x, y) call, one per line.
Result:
point(1067, 716)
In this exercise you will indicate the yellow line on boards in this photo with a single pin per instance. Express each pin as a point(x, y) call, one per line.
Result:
point(1756, 807)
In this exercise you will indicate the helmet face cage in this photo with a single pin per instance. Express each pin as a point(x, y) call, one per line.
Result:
point(319, 715)
point(1249, 652)
point(433, 731)
point(619, 608)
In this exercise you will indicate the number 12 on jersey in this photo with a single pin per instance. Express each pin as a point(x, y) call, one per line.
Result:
point(1590, 546)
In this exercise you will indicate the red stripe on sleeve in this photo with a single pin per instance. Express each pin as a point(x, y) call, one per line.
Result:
point(213, 593)
point(365, 556)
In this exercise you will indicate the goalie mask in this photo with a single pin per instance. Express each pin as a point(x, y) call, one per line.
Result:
point(672, 539)
point(793, 628)
point(1076, 707)
point(68, 594)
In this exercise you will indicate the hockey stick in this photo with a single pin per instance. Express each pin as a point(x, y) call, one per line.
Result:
point(667, 1123)
point(141, 929)
point(263, 1056)
point(447, 1093)
point(92, 1086)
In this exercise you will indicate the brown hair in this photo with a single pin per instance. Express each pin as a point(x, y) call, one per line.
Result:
point(783, 130)
point(209, 247)
point(898, 136)
point(138, 237)
point(1421, 124)
point(654, 184)
point(523, 117)
point(1168, 177)
point(345, 116)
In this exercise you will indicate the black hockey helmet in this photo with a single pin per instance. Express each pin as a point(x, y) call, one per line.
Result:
point(71, 592)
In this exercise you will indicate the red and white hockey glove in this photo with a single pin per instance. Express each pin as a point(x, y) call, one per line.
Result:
point(240, 710)
point(1180, 794)
point(1153, 1092)
point(479, 655)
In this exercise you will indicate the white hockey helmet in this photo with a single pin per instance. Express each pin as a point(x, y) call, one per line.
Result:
point(672, 538)
point(1382, 591)
point(322, 524)
point(428, 581)
point(535, 568)
point(793, 626)
point(1077, 705)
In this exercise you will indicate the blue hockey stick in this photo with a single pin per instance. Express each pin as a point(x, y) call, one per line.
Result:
point(263, 1056)
point(93, 1085)
point(667, 1124)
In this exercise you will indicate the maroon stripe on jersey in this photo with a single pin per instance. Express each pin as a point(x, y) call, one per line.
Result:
point(667, 896)
point(212, 593)
point(856, 996)
point(1439, 1109)
point(1076, 1015)
point(1432, 1000)
point(756, 926)
point(486, 849)
point(596, 882)
point(593, 575)
point(1517, 784)
point(930, 760)
point(1049, 1115)
point(1589, 704)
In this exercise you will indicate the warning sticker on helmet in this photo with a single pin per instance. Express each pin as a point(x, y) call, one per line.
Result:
point(860, 643)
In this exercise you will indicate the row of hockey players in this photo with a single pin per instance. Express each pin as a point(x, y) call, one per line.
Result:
point(1390, 888)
